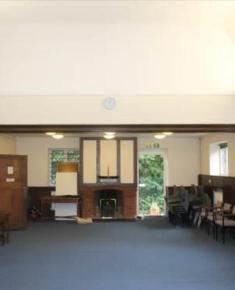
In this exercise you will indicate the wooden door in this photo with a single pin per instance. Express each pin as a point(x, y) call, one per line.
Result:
point(13, 189)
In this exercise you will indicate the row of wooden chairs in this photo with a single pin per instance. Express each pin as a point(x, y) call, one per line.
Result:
point(219, 219)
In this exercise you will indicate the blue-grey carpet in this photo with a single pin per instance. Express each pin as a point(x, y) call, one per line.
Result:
point(143, 255)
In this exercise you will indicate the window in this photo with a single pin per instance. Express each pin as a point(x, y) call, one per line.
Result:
point(60, 155)
point(219, 159)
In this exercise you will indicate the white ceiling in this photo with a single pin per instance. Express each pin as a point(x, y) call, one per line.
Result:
point(117, 48)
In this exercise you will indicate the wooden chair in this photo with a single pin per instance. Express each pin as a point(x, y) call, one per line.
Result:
point(224, 221)
point(4, 228)
point(210, 213)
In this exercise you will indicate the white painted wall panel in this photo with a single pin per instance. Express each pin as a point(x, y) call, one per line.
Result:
point(36, 148)
point(108, 157)
point(89, 161)
point(183, 158)
point(127, 161)
point(7, 144)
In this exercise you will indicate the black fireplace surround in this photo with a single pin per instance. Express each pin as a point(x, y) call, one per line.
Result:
point(108, 203)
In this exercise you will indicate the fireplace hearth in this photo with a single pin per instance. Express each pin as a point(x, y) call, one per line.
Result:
point(125, 196)
point(108, 203)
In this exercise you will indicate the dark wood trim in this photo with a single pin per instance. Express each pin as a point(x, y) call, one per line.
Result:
point(80, 180)
point(136, 159)
point(98, 139)
point(125, 128)
point(97, 159)
point(118, 161)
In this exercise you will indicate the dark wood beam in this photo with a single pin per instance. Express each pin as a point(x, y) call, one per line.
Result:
point(123, 128)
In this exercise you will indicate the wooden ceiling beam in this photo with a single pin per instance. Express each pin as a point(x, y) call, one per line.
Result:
point(123, 128)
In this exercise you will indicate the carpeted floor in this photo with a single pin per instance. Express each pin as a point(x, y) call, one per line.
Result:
point(143, 255)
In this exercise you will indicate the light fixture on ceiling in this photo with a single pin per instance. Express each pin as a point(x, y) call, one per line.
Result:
point(109, 135)
point(50, 133)
point(167, 133)
point(159, 136)
point(109, 103)
point(58, 136)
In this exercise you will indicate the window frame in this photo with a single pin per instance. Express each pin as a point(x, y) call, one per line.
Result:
point(219, 164)
point(223, 149)
point(51, 179)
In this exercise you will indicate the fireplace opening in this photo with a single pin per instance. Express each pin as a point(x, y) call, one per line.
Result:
point(108, 203)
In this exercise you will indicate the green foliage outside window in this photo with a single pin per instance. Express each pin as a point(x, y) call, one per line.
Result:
point(151, 180)
point(72, 155)
point(60, 155)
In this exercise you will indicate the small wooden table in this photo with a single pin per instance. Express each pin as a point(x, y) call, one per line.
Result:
point(48, 200)
point(4, 228)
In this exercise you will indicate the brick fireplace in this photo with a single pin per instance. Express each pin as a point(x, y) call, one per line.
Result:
point(108, 177)
point(111, 201)
point(108, 203)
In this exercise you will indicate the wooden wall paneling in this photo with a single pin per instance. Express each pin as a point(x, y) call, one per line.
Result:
point(13, 189)
point(35, 193)
point(227, 183)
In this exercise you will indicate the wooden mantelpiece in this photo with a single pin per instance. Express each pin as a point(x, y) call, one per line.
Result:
point(129, 202)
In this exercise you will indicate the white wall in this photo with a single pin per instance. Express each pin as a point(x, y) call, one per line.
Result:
point(183, 156)
point(129, 110)
point(164, 61)
point(37, 150)
point(7, 144)
point(205, 151)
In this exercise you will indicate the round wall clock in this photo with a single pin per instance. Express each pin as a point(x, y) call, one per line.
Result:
point(109, 103)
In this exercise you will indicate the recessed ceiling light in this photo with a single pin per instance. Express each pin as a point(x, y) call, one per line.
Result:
point(109, 136)
point(167, 133)
point(58, 136)
point(159, 136)
point(50, 133)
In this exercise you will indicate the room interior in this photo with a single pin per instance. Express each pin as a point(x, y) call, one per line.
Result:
point(82, 208)
point(108, 169)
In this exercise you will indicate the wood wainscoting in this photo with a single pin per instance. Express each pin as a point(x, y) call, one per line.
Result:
point(35, 193)
point(212, 182)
